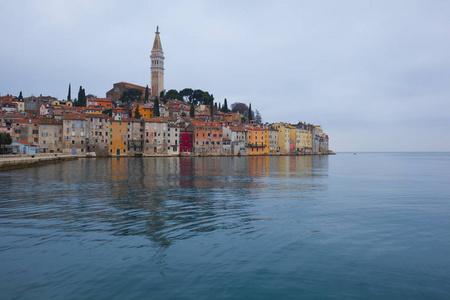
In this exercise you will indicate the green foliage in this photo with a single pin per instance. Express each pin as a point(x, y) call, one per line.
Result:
point(20, 95)
point(107, 112)
point(131, 95)
point(137, 114)
point(146, 94)
point(258, 117)
point(5, 139)
point(192, 110)
point(186, 94)
point(225, 106)
point(250, 113)
point(173, 94)
point(161, 95)
point(156, 107)
point(69, 96)
point(240, 107)
point(81, 98)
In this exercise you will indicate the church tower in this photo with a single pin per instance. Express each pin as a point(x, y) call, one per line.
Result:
point(157, 67)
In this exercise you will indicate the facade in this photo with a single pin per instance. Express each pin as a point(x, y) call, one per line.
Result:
point(186, 140)
point(50, 136)
point(283, 137)
point(25, 130)
point(97, 131)
point(119, 87)
point(273, 141)
point(238, 137)
point(118, 138)
point(258, 140)
point(157, 66)
point(25, 147)
point(155, 136)
point(173, 139)
point(74, 132)
point(207, 137)
point(134, 136)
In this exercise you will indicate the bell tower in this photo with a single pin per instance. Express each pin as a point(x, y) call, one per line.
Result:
point(157, 66)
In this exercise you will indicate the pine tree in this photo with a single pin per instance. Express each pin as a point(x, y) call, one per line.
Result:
point(192, 110)
point(250, 114)
point(156, 107)
point(146, 94)
point(69, 96)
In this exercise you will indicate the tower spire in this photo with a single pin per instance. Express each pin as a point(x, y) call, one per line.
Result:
point(157, 66)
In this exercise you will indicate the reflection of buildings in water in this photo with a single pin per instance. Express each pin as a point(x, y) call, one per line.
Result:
point(258, 166)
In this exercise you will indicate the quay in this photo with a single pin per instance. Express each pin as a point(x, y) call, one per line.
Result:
point(9, 162)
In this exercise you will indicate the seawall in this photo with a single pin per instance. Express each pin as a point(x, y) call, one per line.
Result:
point(14, 162)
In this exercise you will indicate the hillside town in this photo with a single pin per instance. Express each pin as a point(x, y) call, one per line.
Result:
point(134, 120)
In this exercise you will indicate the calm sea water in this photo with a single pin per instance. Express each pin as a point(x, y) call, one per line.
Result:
point(365, 226)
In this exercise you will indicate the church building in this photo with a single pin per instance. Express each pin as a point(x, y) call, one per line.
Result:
point(157, 74)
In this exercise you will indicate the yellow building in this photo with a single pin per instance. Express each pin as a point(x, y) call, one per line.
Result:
point(145, 110)
point(117, 137)
point(20, 105)
point(283, 137)
point(258, 140)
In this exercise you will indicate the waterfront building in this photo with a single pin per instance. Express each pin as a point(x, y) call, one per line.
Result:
point(117, 137)
point(157, 66)
point(173, 139)
point(187, 139)
point(26, 130)
point(238, 139)
point(258, 140)
point(283, 136)
point(25, 147)
point(134, 136)
point(97, 131)
point(74, 132)
point(50, 135)
point(155, 136)
point(273, 140)
point(317, 133)
point(207, 137)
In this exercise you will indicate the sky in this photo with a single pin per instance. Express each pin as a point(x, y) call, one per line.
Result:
point(374, 74)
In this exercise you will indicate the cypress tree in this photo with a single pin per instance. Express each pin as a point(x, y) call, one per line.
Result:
point(225, 106)
point(250, 115)
point(192, 110)
point(146, 94)
point(69, 96)
point(20, 95)
point(137, 114)
point(156, 107)
point(80, 97)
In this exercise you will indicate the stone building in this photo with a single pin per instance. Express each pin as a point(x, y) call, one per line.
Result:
point(50, 135)
point(155, 136)
point(134, 135)
point(25, 130)
point(97, 131)
point(120, 87)
point(157, 66)
point(74, 132)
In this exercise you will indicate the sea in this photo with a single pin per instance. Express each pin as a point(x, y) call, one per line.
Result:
point(345, 226)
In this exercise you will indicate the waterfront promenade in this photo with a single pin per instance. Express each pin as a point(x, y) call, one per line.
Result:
point(19, 161)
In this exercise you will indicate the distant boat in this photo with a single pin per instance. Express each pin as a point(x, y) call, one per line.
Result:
point(354, 153)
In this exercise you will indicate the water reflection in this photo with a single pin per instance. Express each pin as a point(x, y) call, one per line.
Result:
point(163, 199)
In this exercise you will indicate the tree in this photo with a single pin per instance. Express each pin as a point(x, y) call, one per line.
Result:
point(69, 96)
point(186, 94)
point(80, 97)
point(258, 117)
point(20, 95)
point(5, 139)
point(239, 107)
point(161, 95)
point(107, 112)
point(131, 95)
point(156, 107)
point(172, 94)
point(146, 94)
point(250, 113)
point(137, 114)
point(225, 106)
point(192, 110)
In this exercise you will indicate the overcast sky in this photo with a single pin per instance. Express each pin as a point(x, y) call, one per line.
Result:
point(374, 74)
